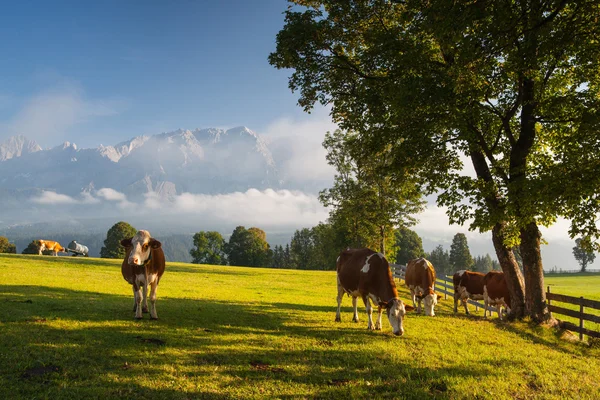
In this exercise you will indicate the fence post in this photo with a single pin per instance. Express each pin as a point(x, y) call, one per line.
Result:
point(548, 297)
point(581, 318)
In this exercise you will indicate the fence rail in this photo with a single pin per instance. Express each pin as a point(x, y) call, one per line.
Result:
point(581, 315)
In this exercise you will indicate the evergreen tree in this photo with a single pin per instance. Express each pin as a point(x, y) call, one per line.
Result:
point(209, 248)
point(302, 249)
point(409, 244)
point(440, 260)
point(583, 255)
point(460, 256)
point(112, 244)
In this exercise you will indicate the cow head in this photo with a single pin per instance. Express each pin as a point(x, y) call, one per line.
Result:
point(395, 313)
point(141, 245)
point(430, 301)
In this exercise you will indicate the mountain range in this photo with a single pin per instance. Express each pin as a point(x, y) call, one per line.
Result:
point(207, 161)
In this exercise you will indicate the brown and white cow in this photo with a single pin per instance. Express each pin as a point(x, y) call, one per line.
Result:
point(467, 285)
point(143, 265)
point(366, 273)
point(495, 292)
point(420, 279)
point(51, 245)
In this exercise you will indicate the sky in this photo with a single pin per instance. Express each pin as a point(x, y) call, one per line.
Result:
point(101, 72)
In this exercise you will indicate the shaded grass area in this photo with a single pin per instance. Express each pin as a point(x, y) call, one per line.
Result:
point(67, 331)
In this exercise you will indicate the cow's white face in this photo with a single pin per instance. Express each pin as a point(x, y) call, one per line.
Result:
point(140, 248)
point(430, 302)
point(396, 314)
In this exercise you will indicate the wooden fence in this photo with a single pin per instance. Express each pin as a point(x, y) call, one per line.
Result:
point(581, 302)
point(443, 284)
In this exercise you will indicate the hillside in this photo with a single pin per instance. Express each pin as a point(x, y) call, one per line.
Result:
point(231, 332)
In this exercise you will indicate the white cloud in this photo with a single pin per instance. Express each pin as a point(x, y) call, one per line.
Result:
point(297, 145)
point(51, 113)
point(50, 198)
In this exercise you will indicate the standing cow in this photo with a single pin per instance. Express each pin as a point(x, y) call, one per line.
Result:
point(366, 273)
point(495, 292)
point(467, 285)
point(420, 279)
point(143, 265)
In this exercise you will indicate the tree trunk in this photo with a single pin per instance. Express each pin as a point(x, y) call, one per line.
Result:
point(535, 297)
point(512, 273)
point(382, 236)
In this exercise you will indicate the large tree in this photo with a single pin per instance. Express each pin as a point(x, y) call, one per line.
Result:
point(460, 255)
point(583, 254)
point(370, 200)
point(409, 245)
point(112, 244)
point(512, 85)
point(440, 259)
point(249, 247)
point(209, 248)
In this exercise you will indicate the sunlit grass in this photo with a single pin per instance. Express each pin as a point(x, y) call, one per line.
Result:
point(67, 331)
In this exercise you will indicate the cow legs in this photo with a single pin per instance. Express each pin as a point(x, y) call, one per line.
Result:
point(456, 298)
point(369, 312)
point(153, 287)
point(138, 302)
point(413, 296)
point(340, 295)
point(355, 306)
point(134, 298)
point(145, 295)
point(465, 304)
point(378, 323)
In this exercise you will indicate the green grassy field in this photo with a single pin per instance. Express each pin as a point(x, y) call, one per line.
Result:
point(67, 332)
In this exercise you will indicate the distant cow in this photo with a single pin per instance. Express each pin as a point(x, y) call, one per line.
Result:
point(495, 292)
point(50, 245)
point(143, 265)
point(467, 285)
point(420, 279)
point(366, 273)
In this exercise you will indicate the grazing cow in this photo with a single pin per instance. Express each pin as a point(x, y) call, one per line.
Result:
point(50, 245)
point(420, 279)
point(366, 273)
point(467, 285)
point(495, 292)
point(143, 265)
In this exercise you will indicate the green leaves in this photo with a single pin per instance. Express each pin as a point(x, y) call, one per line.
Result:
point(112, 244)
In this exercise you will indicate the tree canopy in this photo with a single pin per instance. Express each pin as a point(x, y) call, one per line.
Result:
point(6, 246)
point(112, 244)
point(248, 247)
point(583, 254)
point(409, 245)
point(209, 248)
point(514, 86)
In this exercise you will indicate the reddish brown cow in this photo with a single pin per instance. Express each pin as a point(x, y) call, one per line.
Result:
point(420, 279)
point(143, 265)
point(467, 285)
point(495, 292)
point(366, 273)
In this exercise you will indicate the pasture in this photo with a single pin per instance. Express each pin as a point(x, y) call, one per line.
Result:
point(67, 331)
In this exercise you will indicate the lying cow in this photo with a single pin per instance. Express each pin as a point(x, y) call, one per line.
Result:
point(143, 265)
point(495, 292)
point(420, 279)
point(50, 245)
point(467, 285)
point(366, 273)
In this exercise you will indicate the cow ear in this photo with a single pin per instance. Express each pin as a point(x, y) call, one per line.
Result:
point(439, 296)
point(408, 307)
point(126, 242)
point(155, 244)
